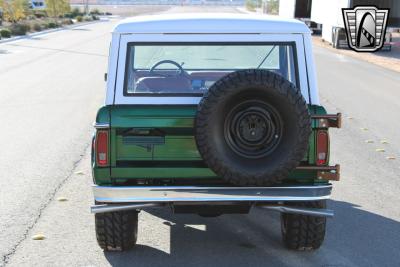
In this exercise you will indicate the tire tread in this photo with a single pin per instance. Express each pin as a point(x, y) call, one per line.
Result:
point(303, 232)
point(116, 231)
point(224, 88)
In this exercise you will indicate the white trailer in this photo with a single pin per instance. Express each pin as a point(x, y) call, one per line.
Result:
point(298, 9)
point(329, 14)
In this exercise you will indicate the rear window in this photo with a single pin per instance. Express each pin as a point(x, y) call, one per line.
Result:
point(190, 69)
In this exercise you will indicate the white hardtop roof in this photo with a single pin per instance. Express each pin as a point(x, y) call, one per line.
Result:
point(210, 23)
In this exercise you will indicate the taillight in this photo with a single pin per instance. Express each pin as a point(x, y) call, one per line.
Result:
point(102, 148)
point(322, 147)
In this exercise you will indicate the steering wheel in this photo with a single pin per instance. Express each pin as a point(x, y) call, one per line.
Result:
point(179, 72)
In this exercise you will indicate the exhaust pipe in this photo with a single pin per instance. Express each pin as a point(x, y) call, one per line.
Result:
point(302, 211)
point(111, 208)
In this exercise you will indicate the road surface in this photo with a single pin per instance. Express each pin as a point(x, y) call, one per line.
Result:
point(50, 89)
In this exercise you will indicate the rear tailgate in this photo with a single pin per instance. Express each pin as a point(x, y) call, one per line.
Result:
point(158, 142)
point(154, 142)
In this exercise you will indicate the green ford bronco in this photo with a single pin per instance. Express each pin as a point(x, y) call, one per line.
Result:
point(212, 114)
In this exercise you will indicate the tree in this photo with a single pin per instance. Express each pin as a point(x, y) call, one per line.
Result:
point(1, 11)
point(15, 10)
point(56, 8)
point(253, 4)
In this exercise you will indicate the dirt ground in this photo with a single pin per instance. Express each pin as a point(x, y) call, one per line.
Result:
point(386, 59)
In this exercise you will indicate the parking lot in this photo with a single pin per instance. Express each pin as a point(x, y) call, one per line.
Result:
point(50, 89)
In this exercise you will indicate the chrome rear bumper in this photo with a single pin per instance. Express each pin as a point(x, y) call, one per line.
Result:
point(168, 194)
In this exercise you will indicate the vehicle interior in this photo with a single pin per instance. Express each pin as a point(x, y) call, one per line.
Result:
point(164, 69)
point(174, 81)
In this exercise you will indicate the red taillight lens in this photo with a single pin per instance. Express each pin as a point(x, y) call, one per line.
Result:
point(102, 148)
point(322, 147)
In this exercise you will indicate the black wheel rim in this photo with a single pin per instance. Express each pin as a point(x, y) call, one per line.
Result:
point(253, 129)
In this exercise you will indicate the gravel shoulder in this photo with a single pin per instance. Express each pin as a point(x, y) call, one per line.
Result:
point(389, 60)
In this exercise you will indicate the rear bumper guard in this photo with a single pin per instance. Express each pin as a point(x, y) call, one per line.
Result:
point(271, 198)
point(168, 194)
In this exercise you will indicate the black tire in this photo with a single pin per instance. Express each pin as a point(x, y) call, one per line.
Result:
point(274, 111)
point(116, 231)
point(302, 232)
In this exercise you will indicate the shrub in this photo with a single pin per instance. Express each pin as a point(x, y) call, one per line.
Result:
point(19, 28)
point(68, 15)
point(251, 5)
point(67, 22)
point(87, 18)
point(5, 33)
point(94, 12)
point(40, 14)
point(79, 18)
point(76, 12)
point(52, 25)
point(36, 27)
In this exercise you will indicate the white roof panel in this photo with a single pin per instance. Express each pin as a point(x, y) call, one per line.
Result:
point(210, 23)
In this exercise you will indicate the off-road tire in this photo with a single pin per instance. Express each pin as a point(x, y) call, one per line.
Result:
point(116, 231)
point(252, 85)
point(302, 232)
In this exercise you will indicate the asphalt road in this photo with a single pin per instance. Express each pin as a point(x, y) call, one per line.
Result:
point(50, 89)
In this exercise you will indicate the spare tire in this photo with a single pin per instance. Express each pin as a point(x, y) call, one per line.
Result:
point(252, 127)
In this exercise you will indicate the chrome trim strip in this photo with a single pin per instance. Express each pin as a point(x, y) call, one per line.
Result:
point(151, 194)
point(100, 125)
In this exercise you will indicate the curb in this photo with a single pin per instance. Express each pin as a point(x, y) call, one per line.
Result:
point(245, 11)
point(28, 36)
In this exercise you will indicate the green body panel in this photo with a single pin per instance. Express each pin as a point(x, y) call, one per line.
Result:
point(184, 172)
point(152, 116)
point(144, 154)
point(101, 175)
point(175, 148)
point(162, 172)
point(103, 115)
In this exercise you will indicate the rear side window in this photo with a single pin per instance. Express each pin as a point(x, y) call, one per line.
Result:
point(191, 68)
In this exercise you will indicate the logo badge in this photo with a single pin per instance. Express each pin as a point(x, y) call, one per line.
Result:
point(365, 27)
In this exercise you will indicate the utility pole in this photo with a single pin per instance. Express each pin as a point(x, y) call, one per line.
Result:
point(86, 8)
point(1, 16)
